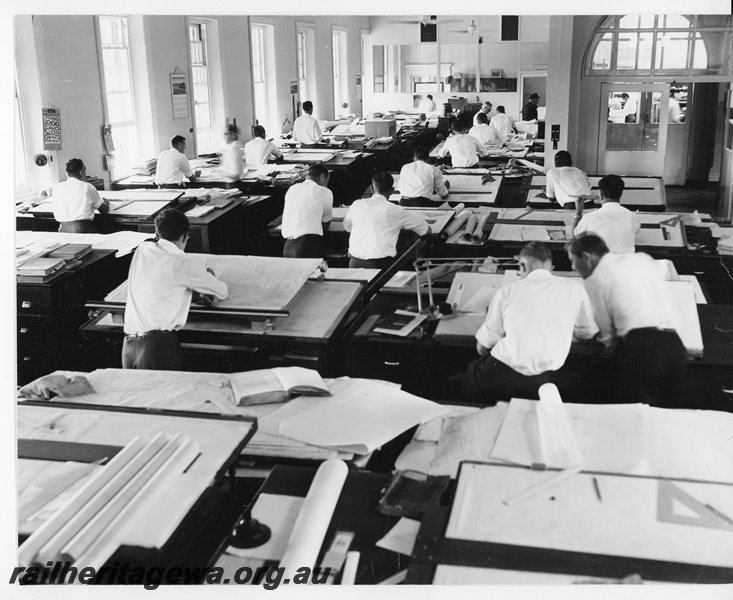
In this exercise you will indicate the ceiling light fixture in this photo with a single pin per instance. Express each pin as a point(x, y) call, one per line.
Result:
point(472, 27)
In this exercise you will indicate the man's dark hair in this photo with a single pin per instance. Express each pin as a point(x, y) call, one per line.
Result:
point(421, 153)
point(500, 109)
point(536, 250)
point(232, 129)
point(307, 106)
point(611, 186)
point(177, 139)
point(458, 127)
point(382, 182)
point(317, 171)
point(259, 131)
point(563, 159)
point(171, 225)
point(75, 166)
point(487, 103)
point(481, 118)
point(589, 243)
point(430, 97)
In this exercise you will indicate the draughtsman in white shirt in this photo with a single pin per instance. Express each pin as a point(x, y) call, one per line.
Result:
point(464, 150)
point(427, 106)
point(231, 160)
point(485, 133)
point(375, 225)
point(566, 183)
point(486, 110)
point(307, 212)
point(528, 331)
point(173, 165)
point(419, 180)
point(161, 284)
point(635, 319)
point(613, 223)
point(258, 150)
point(306, 129)
point(502, 122)
point(74, 200)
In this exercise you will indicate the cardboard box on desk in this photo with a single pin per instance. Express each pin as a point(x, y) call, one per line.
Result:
point(380, 128)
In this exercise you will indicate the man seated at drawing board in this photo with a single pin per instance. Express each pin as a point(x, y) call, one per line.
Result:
point(162, 282)
point(74, 200)
point(258, 151)
point(566, 183)
point(528, 330)
point(308, 211)
point(485, 133)
point(464, 150)
point(375, 225)
point(614, 224)
point(419, 180)
point(173, 167)
point(306, 129)
point(634, 318)
point(231, 165)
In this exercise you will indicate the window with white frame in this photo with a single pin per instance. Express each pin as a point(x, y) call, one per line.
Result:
point(306, 66)
point(200, 86)
point(118, 98)
point(340, 76)
point(263, 77)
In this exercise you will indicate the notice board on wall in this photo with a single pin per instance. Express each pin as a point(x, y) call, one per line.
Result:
point(51, 128)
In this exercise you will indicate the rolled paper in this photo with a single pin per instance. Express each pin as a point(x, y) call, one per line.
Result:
point(51, 550)
point(314, 518)
point(478, 232)
point(106, 544)
point(106, 515)
point(557, 442)
point(457, 223)
point(470, 226)
point(40, 537)
point(459, 207)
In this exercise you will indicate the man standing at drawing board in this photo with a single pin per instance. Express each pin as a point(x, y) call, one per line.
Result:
point(616, 225)
point(172, 166)
point(307, 212)
point(162, 282)
point(528, 330)
point(306, 129)
point(634, 318)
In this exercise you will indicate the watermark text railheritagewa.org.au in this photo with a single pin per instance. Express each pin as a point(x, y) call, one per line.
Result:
point(151, 578)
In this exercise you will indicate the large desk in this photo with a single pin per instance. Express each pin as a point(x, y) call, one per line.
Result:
point(641, 193)
point(225, 230)
point(50, 314)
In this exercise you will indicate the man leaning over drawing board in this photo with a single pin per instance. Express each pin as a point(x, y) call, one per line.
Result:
point(634, 319)
point(528, 331)
point(161, 284)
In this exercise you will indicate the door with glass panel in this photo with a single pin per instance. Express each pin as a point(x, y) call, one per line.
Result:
point(633, 129)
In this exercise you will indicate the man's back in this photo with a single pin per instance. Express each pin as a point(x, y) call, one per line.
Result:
point(486, 134)
point(614, 224)
point(565, 184)
point(306, 130)
point(463, 150)
point(171, 167)
point(307, 206)
point(503, 123)
point(258, 150)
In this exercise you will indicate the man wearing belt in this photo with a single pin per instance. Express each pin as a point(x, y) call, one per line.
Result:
point(74, 200)
point(375, 225)
point(162, 281)
point(172, 165)
point(307, 212)
point(634, 316)
point(528, 331)
point(306, 129)
point(418, 181)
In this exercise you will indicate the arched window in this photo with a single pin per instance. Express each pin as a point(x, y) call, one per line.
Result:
point(662, 45)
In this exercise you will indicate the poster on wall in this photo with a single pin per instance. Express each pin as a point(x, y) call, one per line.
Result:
point(179, 95)
point(358, 86)
point(51, 128)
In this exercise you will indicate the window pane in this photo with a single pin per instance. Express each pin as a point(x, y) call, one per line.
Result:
point(608, 23)
point(114, 58)
point(626, 57)
point(21, 172)
point(713, 51)
point(119, 108)
point(602, 55)
point(111, 32)
point(675, 22)
point(646, 21)
point(645, 51)
point(629, 22)
point(672, 50)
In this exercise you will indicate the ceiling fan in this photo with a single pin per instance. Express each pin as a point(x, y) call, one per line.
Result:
point(472, 28)
point(430, 20)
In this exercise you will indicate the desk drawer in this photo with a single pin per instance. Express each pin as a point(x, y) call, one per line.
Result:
point(35, 300)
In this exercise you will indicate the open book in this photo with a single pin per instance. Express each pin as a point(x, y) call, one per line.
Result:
point(268, 386)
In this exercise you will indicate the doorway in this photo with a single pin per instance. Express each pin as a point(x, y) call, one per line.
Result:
point(633, 129)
